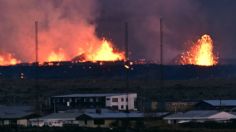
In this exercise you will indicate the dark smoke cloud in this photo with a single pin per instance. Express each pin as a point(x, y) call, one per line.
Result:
point(183, 20)
point(79, 22)
point(63, 24)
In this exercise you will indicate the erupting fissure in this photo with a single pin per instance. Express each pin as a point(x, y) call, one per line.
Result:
point(105, 53)
point(201, 53)
point(102, 52)
point(8, 59)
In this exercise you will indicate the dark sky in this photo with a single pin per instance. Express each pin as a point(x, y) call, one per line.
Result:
point(184, 20)
point(73, 24)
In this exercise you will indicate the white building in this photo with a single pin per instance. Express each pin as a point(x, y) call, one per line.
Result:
point(15, 115)
point(122, 101)
point(116, 101)
point(199, 116)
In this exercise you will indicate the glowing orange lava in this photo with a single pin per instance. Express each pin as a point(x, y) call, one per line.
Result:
point(8, 59)
point(105, 53)
point(57, 56)
point(201, 53)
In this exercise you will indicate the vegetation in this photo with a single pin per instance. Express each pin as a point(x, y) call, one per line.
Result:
point(24, 91)
point(166, 128)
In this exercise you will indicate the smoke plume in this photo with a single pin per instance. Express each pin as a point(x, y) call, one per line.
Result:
point(66, 25)
point(77, 26)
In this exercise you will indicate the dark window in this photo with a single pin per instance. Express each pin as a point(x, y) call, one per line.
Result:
point(126, 99)
point(121, 106)
point(122, 99)
point(108, 98)
point(115, 107)
point(99, 122)
point(114, 99)
point(85, 122)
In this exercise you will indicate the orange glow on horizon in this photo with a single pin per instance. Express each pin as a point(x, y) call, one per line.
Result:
point(8, 59)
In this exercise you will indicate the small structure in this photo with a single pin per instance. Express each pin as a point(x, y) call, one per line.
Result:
point(176, 106)
point(15, 115)
point(226, 105)
point(116, 101)
point(151, 105)
point(199, 116)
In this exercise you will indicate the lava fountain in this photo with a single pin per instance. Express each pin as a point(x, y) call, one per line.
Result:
point(57, 56)
point(104, 52)
point(201, 53)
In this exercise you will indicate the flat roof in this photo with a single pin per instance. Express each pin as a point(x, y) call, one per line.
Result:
point(9, 112)
point(221, 102)
point(194, 114)
point(93, 95)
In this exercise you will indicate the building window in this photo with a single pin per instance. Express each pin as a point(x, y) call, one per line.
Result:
point(91, 100)
point(97, 99)
point(85, 122)
point(126, 99)
point(114, 107)
point(122, 99)
point(108, 99)
point(122, 106)
point(114, 99)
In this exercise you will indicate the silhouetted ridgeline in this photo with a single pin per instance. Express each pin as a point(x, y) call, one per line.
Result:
point(67, 70)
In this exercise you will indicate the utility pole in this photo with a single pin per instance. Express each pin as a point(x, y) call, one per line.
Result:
point(36, 43)
point(127, 65)
point(37, 94)
point(161, 53)
point(161, 66)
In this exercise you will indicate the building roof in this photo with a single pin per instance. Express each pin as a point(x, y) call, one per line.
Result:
point(93, 95)
point(65, 116)
point(105, 114)
point(13, 112)
point(122, 115)
point(195, 114)
point(221, 102)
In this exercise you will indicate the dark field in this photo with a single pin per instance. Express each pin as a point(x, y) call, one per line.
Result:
point(24, 91)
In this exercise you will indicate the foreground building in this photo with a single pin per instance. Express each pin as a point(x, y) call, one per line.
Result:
point(199, 116)
point(15, 115)
point(227, 105)
point(115, 101)
point(92, 118)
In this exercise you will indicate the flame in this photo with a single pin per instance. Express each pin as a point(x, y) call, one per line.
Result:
point(57, 56)
point(101, 50)
point(105, 53)
point(201, 53)
point(8, 59)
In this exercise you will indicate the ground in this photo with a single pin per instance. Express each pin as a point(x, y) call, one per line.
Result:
point(25, 91)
